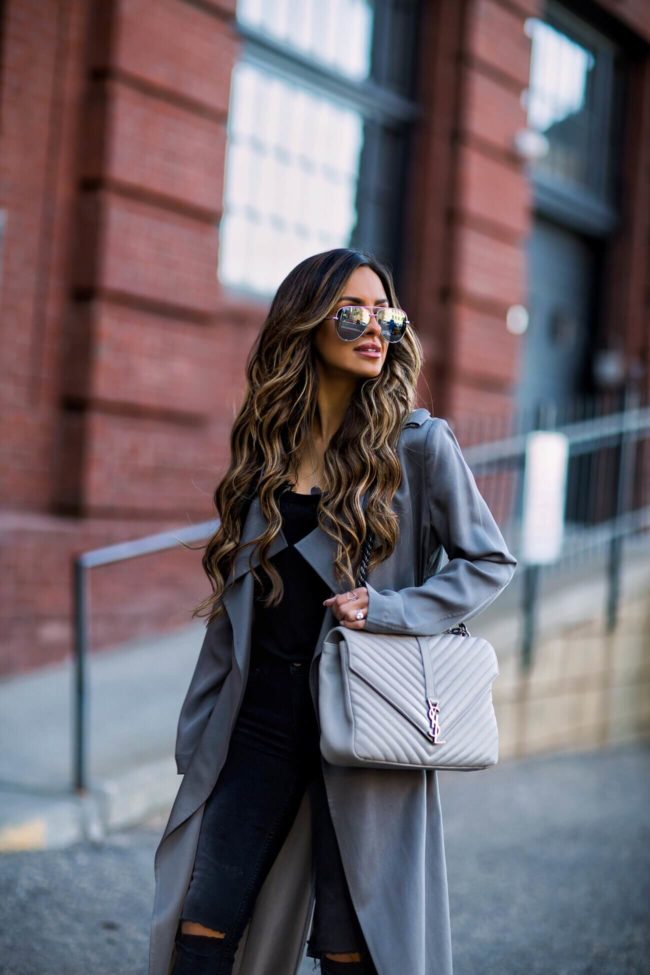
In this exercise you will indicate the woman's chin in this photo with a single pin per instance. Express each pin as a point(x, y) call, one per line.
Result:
point(356, 370)
point(368, 367)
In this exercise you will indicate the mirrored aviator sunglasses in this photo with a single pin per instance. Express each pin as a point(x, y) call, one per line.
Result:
point(353, 320)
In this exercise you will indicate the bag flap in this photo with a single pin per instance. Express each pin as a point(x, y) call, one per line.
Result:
point(463, 668)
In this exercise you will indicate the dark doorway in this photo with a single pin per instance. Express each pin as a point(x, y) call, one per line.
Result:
point(563, 283)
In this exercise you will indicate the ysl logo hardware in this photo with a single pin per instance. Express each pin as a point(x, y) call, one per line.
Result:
point(432, 714)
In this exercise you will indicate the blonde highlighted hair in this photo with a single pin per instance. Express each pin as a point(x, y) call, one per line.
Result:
point(275, 421)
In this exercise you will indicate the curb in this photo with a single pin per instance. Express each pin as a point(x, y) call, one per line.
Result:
point(56, 821)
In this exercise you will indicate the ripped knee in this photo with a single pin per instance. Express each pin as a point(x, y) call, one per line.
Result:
point(193, 927)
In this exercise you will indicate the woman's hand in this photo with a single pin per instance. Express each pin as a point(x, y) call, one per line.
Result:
point(346, 605)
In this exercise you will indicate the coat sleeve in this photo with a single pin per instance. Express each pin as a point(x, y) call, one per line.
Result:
point(480, 565)
point(212, 667)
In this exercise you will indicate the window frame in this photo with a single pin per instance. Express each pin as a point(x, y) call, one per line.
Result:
point(388, 115)
point(578, 206)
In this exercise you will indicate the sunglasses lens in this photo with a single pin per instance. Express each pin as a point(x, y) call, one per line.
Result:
point(393, 322)
point(353, 322)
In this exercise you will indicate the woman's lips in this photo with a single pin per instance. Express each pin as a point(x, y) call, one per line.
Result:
point(370, 353)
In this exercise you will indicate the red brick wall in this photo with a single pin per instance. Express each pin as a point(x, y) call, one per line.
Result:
point(143, 268)
point(492, 211)
point(626, 299)
point(38, 109)
point(468, 262)
point(122, 368)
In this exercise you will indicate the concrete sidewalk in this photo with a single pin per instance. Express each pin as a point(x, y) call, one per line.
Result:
point(135, 694)
point(548, 863)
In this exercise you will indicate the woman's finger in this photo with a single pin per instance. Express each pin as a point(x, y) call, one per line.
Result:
point(346, 608)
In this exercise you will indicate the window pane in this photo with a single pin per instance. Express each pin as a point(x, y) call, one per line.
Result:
point(290, 181)
point(337, 33)
point(569, 100)
point(558, 76)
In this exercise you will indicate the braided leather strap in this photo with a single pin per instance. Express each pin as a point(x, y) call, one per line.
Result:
point(460, 628)
point(365, 558)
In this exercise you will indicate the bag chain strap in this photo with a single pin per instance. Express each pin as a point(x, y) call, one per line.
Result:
point(365, 558)
point(460, 628)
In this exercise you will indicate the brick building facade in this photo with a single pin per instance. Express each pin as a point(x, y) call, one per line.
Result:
point(123, 352)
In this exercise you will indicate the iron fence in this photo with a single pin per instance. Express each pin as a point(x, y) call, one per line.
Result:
point(607, 489)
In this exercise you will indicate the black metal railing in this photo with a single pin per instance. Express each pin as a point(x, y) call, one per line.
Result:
point(108, 555)
point(607, 492)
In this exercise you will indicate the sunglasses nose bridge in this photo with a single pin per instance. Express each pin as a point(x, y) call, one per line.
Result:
point(372, 317)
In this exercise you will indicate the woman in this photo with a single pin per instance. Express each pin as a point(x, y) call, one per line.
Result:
point(267, 845)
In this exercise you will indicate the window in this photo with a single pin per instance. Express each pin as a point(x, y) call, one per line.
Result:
point(337, 33)
point(571, 100)
point(318, 122)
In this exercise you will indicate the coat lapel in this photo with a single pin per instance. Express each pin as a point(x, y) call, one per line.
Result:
point(316, 547)
point(254, 525)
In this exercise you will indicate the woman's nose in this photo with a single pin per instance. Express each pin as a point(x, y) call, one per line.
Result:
point(374, 324)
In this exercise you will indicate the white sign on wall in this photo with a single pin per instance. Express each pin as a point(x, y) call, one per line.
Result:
point(545, 477)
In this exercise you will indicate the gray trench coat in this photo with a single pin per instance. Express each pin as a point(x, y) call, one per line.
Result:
point(388, 822)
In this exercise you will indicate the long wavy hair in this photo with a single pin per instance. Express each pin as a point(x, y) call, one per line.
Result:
point(275, 421)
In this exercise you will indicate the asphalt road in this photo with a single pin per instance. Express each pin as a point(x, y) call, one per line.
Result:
point(548, 862)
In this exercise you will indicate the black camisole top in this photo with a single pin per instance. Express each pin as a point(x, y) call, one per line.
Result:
point(290, 630)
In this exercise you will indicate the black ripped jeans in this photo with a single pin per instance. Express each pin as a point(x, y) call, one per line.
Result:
point(273, 757)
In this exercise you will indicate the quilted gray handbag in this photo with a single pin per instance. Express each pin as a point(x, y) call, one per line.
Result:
point(388, 701)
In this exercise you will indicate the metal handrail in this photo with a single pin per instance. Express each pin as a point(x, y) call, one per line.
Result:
point(634, 422)
point(108, 555)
